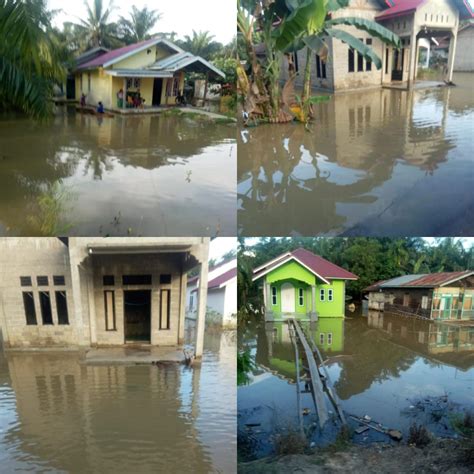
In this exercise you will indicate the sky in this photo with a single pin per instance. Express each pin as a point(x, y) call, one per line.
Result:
point(220, 246)
point(182, 16)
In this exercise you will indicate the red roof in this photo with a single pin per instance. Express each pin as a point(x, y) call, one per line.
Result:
point(221, 279)
point(437, 279)
point(315, 263)
point(402, 7)
point(116, 53)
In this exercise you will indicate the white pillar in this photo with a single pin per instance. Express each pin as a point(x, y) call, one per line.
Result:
point(124, 102)
point(268, 304)
point(79, 315)
point(451, 55)
point(314, 314)
point(182, 307)
point(202, 306)
point(412, 58)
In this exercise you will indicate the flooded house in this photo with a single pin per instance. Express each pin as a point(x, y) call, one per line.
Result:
point(98, 292)
point(300, 284)
point(418, 23)
point(464, 59)
point(221, 294)
point(153, 69)
point(438, 296)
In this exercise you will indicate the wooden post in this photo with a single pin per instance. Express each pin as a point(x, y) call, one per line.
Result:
point(124, 102)
point(205, 89)
point(202, 306)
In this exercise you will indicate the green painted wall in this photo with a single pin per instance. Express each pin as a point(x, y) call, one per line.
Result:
point(329, 334)
point(294, 273)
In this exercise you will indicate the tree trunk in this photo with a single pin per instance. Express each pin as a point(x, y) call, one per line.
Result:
point(307, 77)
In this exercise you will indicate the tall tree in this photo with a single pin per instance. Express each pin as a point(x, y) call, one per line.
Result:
point(30, 57)
point(138, 26)
point(97, 29)
point(201, 43)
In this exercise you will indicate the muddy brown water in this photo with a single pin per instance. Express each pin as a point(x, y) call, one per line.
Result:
point(59, 415)
point(396, 370)
point(376, 162)
point(146, 175)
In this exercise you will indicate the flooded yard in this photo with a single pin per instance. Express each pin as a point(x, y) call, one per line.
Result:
point(393, 369)
point(59, 415)
point(141, 175)
point(368, 165)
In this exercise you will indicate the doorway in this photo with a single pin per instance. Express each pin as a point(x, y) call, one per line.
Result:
point(398, 62)
point(287, 298)
point(157, 90)
point(137, 315)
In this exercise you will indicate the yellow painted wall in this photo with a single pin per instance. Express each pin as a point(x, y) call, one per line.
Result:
point(100, 87)
point(171, 100)
point(146, 90)
point(138, 60)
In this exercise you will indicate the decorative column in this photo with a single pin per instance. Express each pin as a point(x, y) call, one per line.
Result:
point(182, 307)
point(268, 301)
point(314, 314)
point(452, 54)
point(202, 306)
point(412, 59)
point(124, 102)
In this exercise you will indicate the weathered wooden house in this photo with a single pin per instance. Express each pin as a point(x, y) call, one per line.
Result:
point(418, 23)
point(447, 295)
point(300, 284)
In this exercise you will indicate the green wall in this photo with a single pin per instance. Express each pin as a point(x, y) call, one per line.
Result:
point(294, 273)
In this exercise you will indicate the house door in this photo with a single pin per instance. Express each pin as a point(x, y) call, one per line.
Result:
point(70, 87)
point(137, 315)
point(398, 60)
point(157, 90)
point(287, 298)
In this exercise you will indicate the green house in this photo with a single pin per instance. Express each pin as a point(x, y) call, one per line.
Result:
point(303, 285)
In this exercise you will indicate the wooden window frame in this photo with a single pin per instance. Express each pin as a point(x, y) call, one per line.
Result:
point(330, 294)
point(274, 294)
point(322, 294)
point(50, 309)
point(114, 319)
point(168, 310)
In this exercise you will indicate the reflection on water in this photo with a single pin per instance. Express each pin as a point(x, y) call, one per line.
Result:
point(146, 175)
point(378, 366)
point(58, 414)
point(369, 166)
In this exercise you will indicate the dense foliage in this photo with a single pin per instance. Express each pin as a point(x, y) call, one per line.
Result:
point(371, 259)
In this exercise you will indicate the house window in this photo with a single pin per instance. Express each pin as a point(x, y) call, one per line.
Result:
point(447, 18)
point(321, 294)
point(42, 280)
point(424, 302)
point(165, 309)
point(301, 296)
point(406, 299)
point(136, 82)
point(136, 279)
point(109, 302)
point(387, 57)
point(129, 82)
point(467, 303)
point(295, 60)
point(274, 295)
point(45, 304)
point(59, 280)
point(175, 86)
point(25, 281)
point(108, 280)
point(89, 81)
point(29, 305)
point(350, 66)
point(320, 68)
point(165, 279)
point(191, 301)
point(329, 338)
point(82, 88)
point(330, 294)
point(321, 338)
point(368, 62)
point(61, 306)
point(360, 60)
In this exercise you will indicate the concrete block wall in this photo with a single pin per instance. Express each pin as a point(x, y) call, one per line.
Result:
point(34, 257)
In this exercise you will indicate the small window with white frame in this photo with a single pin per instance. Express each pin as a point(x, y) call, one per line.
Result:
point(274, 295)
point(329, 338)
point(424, 302)
point(330, 294)
point(321, 338)
point(322, 294)
point(301, 296)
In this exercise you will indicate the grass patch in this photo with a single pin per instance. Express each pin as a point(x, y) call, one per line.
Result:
point(291, 441)
point(463, 423)
point(418, 436)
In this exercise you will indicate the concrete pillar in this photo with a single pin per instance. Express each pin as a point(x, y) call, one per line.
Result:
point(202, 306)
point(452, 54)
point(3, 325)
point(182, 307)
point(206, 85)
point(77, 298)
point(124, 104)
point(268, 304)
point(412, 58)
point(91, 301)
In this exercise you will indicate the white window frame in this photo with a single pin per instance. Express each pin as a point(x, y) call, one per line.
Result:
point(274, 295)
point(330, 294)
point(329, 338)
point(301, 296)
point(322, 294)
point(321, 338)
point(424, 302)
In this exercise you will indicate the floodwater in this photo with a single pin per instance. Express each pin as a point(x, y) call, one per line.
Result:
point(59, 415)
point(385, 366)
point(379, 162)
point(145, 175)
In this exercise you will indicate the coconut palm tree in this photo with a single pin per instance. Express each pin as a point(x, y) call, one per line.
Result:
point(138, 27)
point(30, 57)
point(201, 43)
point(96, 30)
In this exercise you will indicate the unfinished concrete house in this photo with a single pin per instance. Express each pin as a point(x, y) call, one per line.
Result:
point(99, 292)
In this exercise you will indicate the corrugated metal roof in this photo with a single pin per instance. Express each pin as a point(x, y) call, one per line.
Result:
point(425, 280)
point(315, 263)
point(402, 280)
